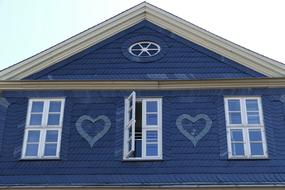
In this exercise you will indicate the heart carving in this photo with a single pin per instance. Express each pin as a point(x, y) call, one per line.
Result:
point(93, 139)
point(194, 138)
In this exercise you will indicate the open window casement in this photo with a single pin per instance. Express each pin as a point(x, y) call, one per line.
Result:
point(143, 128)
point(130, 124)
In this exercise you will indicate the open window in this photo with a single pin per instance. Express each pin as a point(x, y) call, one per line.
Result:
point(143, 133)
point(130, 123)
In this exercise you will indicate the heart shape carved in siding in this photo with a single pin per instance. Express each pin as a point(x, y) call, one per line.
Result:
point(92, 139)
point(194, 138)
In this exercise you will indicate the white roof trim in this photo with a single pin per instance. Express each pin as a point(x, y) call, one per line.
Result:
point(130, 17)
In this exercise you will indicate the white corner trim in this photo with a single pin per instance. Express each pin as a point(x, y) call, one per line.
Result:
point(130, 17)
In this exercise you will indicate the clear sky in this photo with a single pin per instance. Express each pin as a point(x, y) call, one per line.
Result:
point(30, 26)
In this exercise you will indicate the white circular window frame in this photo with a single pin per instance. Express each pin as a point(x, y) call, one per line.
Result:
point(146, 49)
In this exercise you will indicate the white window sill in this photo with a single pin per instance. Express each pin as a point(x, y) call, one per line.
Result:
point(141, 159)
point(249, 158)
point(39, 158)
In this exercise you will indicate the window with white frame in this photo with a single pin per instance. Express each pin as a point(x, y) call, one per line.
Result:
point(245, 127)
point(143, 128)
point(43, 128)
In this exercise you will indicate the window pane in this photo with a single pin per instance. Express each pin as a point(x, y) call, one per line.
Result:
point(151, 150)
point(33, 136)
point(32, 150)
point(130, 145)
point(53, 119)
point(234, 105)
point(36, 119)
point(151, 136)
point(131, 102)
point(256, 149)
point(237, 149)
point(51, 136)
point(144, 44)
point(130, 115)
point(144, 53)
point(151, 106)
point(54, 106)
point(255, 135)
point(251, 105)
point(130, 132)
point(253, 118)
point(236, 135)
point(37, 106)
point(151, 119)
point(235, 118)
point(50, 150)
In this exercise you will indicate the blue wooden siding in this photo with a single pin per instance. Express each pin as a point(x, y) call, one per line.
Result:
point(180, 59)
point(182, 163)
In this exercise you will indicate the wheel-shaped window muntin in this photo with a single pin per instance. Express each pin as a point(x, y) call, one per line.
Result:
point(144, 49)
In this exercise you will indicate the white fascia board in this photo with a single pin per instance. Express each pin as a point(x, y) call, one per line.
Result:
point(143, 11)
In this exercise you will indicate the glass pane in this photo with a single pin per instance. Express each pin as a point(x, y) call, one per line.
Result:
point(53, 119)
point(234, 105)
point(151, 119)
point(237, 149)
point(251, 105)
point(32, 150)
point(235, 118)
point(131, 102)
point(152, 46)
point(130, 115)
point(136, 52)
point(37, 106)
point(153, 52)
point(144, 54)
point(51, 136)
point(151, 106)
point(151, 136)
point(54, 106)
point(136, 47)
point(255, 135)
point(144, 44)
point(130, 132)
point(50, 150)
point(236, 135)
point(33, 136)
point(151, 150)
point(36, 119)
point(253, 118)
point(256, 149)
point(130, 145)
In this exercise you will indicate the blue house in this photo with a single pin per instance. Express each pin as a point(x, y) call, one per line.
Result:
point(143, 100)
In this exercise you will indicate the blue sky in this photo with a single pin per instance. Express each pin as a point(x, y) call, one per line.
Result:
point(31, 26)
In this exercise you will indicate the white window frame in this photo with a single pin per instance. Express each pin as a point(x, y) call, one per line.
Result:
point(245, 127)
point(43, 128)
point(145, 128)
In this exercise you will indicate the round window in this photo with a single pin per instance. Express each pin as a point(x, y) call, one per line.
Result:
point(144, 49)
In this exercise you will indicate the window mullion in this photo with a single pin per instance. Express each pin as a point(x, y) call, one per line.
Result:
point(159, 127)
point(247, 142)
point(45, 113)
point(144, 128)
point(243, 112)
point(59, 131)
point(41, 143)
